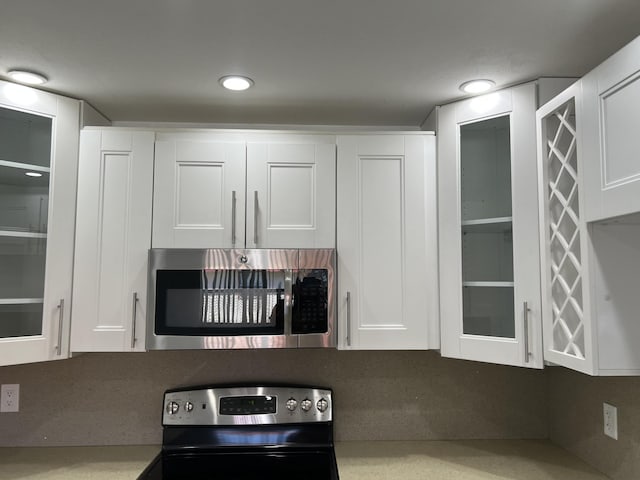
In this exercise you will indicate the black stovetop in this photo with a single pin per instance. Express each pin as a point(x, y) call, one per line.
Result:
point(244, 465)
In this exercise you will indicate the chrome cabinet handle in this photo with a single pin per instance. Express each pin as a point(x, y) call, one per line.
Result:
point(60, 320)
point(348, 319)
point(255, 217)
point(133, 321)
point(527, 352)
point(233, 218)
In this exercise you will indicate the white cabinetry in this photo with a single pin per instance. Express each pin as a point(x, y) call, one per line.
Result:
point(589, 270)
point(488, 234)
point(610, 124)
point(386, 241)
point(242, 189)
point(113, 236)
point(199, 194)
point(39, 137)
point(291, 193)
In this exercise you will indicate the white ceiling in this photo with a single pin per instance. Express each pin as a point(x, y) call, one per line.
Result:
point(358, 62)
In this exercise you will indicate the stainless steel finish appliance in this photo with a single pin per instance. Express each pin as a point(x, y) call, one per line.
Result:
point(241, 298)
point(247, 432)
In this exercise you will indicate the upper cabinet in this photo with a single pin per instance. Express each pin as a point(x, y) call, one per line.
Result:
point(610, 122)
point(488, 234)
point(387, 243)
point(113, 236)
point(38, 168)
point(244, 190)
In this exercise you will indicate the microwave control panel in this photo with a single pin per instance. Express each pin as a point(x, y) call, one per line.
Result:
point(310, 302)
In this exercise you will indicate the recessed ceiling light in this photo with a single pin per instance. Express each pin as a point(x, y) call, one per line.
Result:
point(24, 76)
point(33, 174)
point(477, 86)
point(236, 82)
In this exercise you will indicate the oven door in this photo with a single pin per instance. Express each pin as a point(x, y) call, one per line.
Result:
point(219, 298)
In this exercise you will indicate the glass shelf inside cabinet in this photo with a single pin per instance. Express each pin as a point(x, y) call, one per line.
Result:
point(25, 158)
point(486, 228)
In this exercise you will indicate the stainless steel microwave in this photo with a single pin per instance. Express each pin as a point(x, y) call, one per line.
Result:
point(241, 298)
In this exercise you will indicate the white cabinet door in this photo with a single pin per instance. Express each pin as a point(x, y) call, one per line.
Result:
point(610, 124)
point(199, 194)
point(386, 241)
point(488, 232)
point(38, 135)
point(113, 236)
point(291, 195)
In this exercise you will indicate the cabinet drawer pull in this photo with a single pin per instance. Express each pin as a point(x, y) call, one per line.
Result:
point(527, 352)
point(348, 319)
point(60, 320)
point(233, 218)
point(133, 322)
point(255, 217)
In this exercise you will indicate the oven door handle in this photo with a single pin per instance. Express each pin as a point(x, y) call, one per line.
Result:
point(288, 300)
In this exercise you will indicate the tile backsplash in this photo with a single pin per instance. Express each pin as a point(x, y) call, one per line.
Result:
point(116, 398)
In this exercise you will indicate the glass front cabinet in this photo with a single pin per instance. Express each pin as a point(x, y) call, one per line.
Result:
point(38, 164)
point(489, 246)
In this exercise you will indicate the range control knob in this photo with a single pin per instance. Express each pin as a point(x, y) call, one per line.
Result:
point(322, 405)
point(172, 408)
point(292, 404)
point(188, 406)
point(306, 404)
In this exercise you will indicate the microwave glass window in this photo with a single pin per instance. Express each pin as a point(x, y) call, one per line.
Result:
point(310, 309)
point(220, 302)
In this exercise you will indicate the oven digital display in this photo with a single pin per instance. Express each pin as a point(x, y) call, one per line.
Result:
point(253, 405)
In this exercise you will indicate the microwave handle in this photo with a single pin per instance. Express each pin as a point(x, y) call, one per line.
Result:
point(288, 301)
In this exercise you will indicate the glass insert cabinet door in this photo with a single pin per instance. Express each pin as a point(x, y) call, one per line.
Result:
point(489, 241)
point(25, 161)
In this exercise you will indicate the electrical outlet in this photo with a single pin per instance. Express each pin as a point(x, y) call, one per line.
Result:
point(10, 397)
point(610, 420)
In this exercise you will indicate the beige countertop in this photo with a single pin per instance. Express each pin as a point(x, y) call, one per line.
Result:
point(432, 460)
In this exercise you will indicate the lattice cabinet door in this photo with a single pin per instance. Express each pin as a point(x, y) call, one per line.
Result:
point(563, 234)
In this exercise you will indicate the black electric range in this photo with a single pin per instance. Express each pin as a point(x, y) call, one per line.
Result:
point(246, 433)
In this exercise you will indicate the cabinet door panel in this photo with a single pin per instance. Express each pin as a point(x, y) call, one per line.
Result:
point(610, 124)
point(386, 261)
point(619, 153)
point(381, 248)
point(112, 241)
point(290, 195)
point(199, 188)
point(199, 195)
